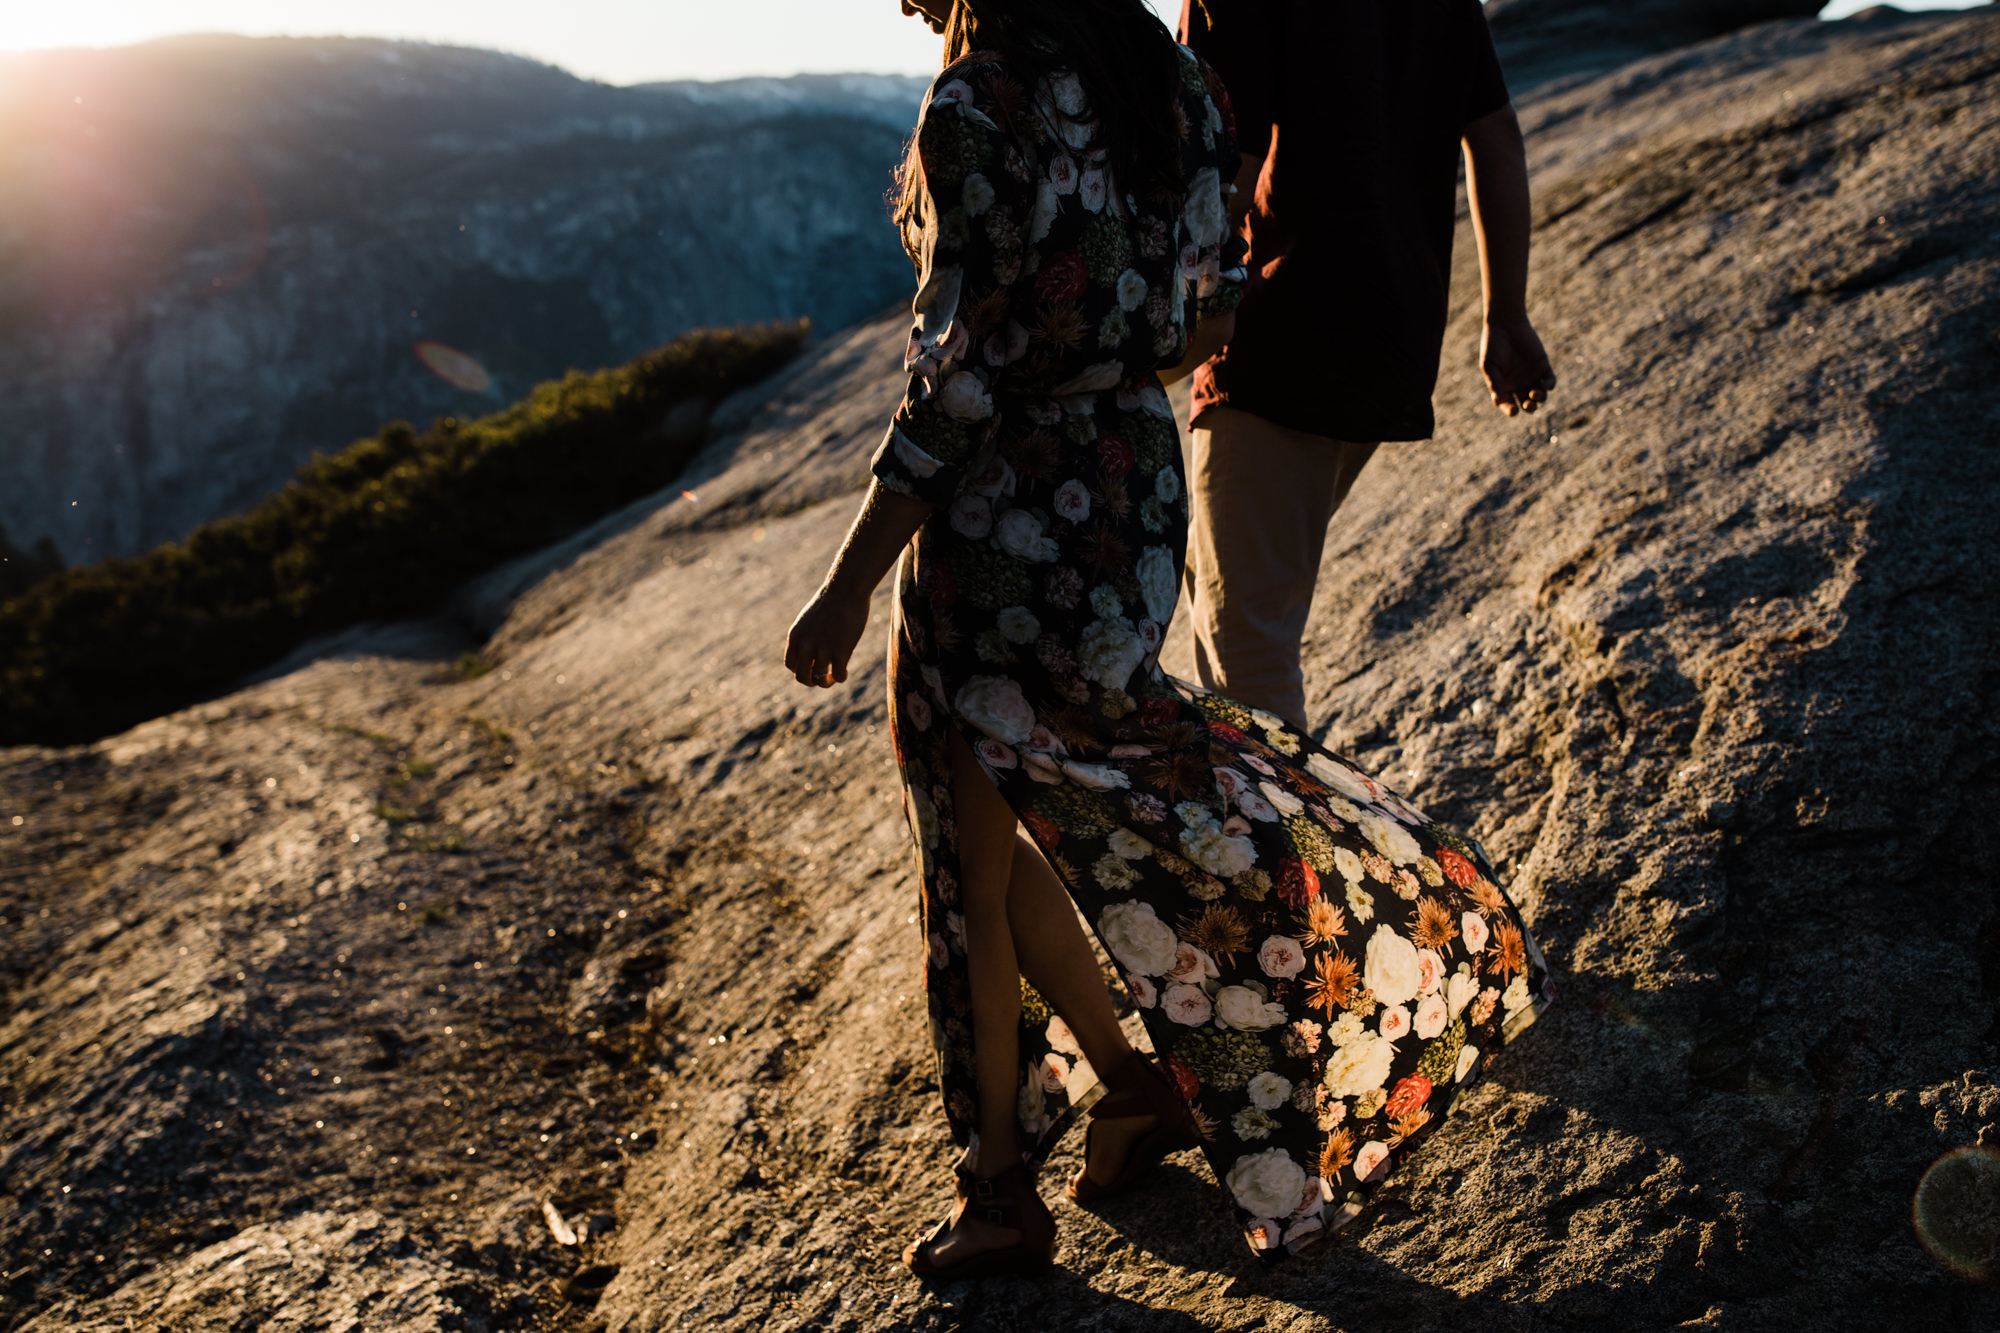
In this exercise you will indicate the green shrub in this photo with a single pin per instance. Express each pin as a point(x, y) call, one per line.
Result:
point(383, 528)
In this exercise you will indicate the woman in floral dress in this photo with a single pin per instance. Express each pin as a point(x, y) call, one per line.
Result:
point(1322, 969)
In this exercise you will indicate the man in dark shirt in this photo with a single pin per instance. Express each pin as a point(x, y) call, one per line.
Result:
point(1352, 115)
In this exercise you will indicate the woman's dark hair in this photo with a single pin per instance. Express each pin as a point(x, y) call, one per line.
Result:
point(1119, 51)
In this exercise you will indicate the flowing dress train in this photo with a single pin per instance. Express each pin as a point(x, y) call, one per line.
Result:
point(1322, 969)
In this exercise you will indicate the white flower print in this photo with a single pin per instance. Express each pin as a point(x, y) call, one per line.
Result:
point(1186, 1004)
point(1129, 845)
point(1359, 903)
point(1206, 217)
point(918, 710)
point(1288, 804)
point(1061, 1038)
point(1251, 1124)
point(997, 480)
point(1359, 1067)
point(1430, 971)
point(1395, 1023)
point(1244, 1009)
point(1433, 1016)
point(1256, 807)
point(1159, 582)
point(1144, 993)
point(1109, 652)
point(1391, 968)
point(1022, 535)
point(1371, 1161)
point(1281, 956)
point(965, 397)
point(1063, 174)
point(1097, 777)
point(978, 194)
point(1072, 501)
point(1204, 843)
point(1516, 998)
point(1047, 205)
point(1167, 485)
point(1346, 1030)
point(1466, 1059)
point(1192, 966)
point(1391, 839)
point(1006, 346)
point(912, 458)
point(1267, 1184)
point(1347, 863)
point(1369, 1104)
point(958, 90)
point(996, 706)
point(1018, 623)
point(1138, 938)
point(1269, 1090)
point(995, 755)
point(1113, 873)
point(1092, 189)
point(1131, 290)
point(1055, 1070)
point(1458, 991)
point(1104, 601)
point(972, 516)
point(1474, 927)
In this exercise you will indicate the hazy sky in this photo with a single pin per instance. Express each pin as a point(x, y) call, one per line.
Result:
point(619, 41)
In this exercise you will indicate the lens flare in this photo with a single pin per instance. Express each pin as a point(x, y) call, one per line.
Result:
point(454, 367)
point(1957, 1212)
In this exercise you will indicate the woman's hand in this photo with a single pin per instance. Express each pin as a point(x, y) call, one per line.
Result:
point(824, 635)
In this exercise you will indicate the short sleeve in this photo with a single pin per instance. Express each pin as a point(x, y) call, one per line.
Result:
point(1481, 84)
point(976, 210)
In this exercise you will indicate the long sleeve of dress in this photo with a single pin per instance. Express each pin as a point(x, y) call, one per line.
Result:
point(1214, 259)
point(976, 210)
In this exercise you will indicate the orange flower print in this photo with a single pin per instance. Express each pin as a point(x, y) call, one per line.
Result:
point(1337, 1153)
point(1509, 953)
point(1434, 929)
point(1335, 982)
point(1324, 922)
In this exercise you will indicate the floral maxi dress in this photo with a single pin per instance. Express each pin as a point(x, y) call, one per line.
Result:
point(1320, 967)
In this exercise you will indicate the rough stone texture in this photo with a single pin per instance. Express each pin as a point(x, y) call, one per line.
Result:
point(314, 1273)
point(1706, 654)
point(217, 253)
point(1542, 40)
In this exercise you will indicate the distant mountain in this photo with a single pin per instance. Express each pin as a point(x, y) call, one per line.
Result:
point(220, 254)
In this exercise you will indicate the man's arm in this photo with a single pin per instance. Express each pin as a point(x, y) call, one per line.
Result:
point(1516, 367)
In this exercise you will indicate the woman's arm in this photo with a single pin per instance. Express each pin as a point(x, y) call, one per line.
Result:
point(824, 635)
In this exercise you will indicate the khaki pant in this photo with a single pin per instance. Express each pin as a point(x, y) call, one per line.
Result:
point(1260, 497)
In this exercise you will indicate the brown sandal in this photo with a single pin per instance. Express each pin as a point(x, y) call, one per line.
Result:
point(1140, 1090)
point(1005, 1199)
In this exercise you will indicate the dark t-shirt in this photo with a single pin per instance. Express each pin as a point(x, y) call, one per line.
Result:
point(1363, 104)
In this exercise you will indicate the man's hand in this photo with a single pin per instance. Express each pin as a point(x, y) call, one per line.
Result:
point(1517, 370)
point(823, 637)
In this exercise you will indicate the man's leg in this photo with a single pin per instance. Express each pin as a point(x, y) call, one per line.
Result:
point(1260, 497)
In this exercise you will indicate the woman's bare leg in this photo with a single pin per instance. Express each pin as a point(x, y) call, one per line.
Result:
point(1056, 957)
point(986, 860)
